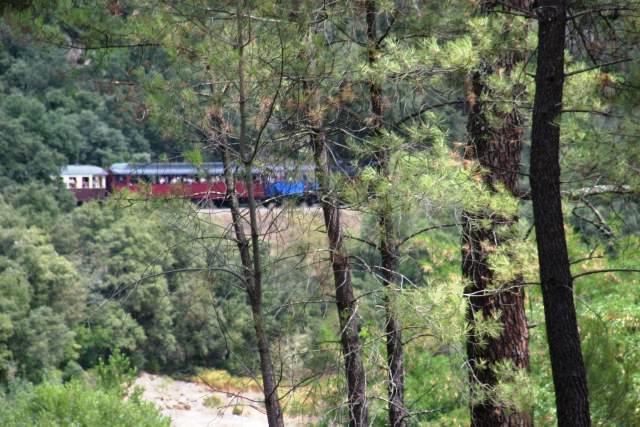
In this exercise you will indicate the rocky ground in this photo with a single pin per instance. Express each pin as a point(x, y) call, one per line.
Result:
point(183, 402)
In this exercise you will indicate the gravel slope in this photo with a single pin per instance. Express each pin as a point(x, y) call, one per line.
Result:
point(183, 402)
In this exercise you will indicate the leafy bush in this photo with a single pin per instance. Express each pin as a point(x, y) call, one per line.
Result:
point(212, 401)
point(77, 404)
point(116, 375)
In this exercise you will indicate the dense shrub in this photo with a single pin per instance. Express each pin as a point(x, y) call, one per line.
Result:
point(76, 404)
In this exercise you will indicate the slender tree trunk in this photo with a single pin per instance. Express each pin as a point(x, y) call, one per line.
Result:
point(345, 300)
point(347, 304)
point(389, 252)
point(567, 366)
point(497, 150)
point(398, 414)
point(249, 248)
point(253, 288)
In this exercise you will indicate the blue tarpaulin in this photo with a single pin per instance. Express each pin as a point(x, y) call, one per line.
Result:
point(285, 188)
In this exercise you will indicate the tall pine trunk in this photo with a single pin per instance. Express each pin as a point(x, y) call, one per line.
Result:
point(346, 303)
point(567, 366)
point(345, 299)
point(497, 149)
point(388, 247)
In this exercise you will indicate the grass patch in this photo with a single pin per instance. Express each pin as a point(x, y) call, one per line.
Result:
point(212, 401)
point(219, 379)
point(165, 383)
point(313, 398)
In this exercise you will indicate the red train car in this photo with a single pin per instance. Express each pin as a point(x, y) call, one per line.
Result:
point(204, 182)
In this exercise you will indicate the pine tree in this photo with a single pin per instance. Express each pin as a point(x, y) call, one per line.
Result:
point(494, 141)
point(313, 120)
point(388, 247)
point(569, 374)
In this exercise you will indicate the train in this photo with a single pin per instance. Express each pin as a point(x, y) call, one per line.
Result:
point(203, 183)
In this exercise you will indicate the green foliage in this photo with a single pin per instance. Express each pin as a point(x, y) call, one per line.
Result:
point(43, 298)
point(75, 403)
point(212, 402)
point(42, 342)
point(438, 384)
point(39, 204)
point(515, 389)
point(116, 375)
point(52, 113)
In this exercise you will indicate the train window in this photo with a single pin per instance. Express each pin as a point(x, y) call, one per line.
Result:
point(95, 182)
point(85, 182)
point(72, 182)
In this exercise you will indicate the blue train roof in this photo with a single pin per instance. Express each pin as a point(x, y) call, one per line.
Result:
point(209, 168)
point(170, 169)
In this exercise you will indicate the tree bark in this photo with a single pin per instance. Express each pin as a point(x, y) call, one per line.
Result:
point(345, 300)
point(253, 289)
point(497, 149)
point(567, 366)
point(388, 248)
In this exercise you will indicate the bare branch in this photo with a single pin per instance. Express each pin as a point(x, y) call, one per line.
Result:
point(606, 64)
point(424, 230)
point(597, 190)
point(606, 270)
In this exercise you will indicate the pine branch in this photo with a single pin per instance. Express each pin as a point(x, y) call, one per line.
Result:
point(365, 241)
point(606, 64)
point(513, 9)
point(389, 27)
point(606, 270)
point(583, 39)
point(612, 8)
point(424, 230)
point(597, 190)
point(426, 108)
point(579, 110)
point(600, 225)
